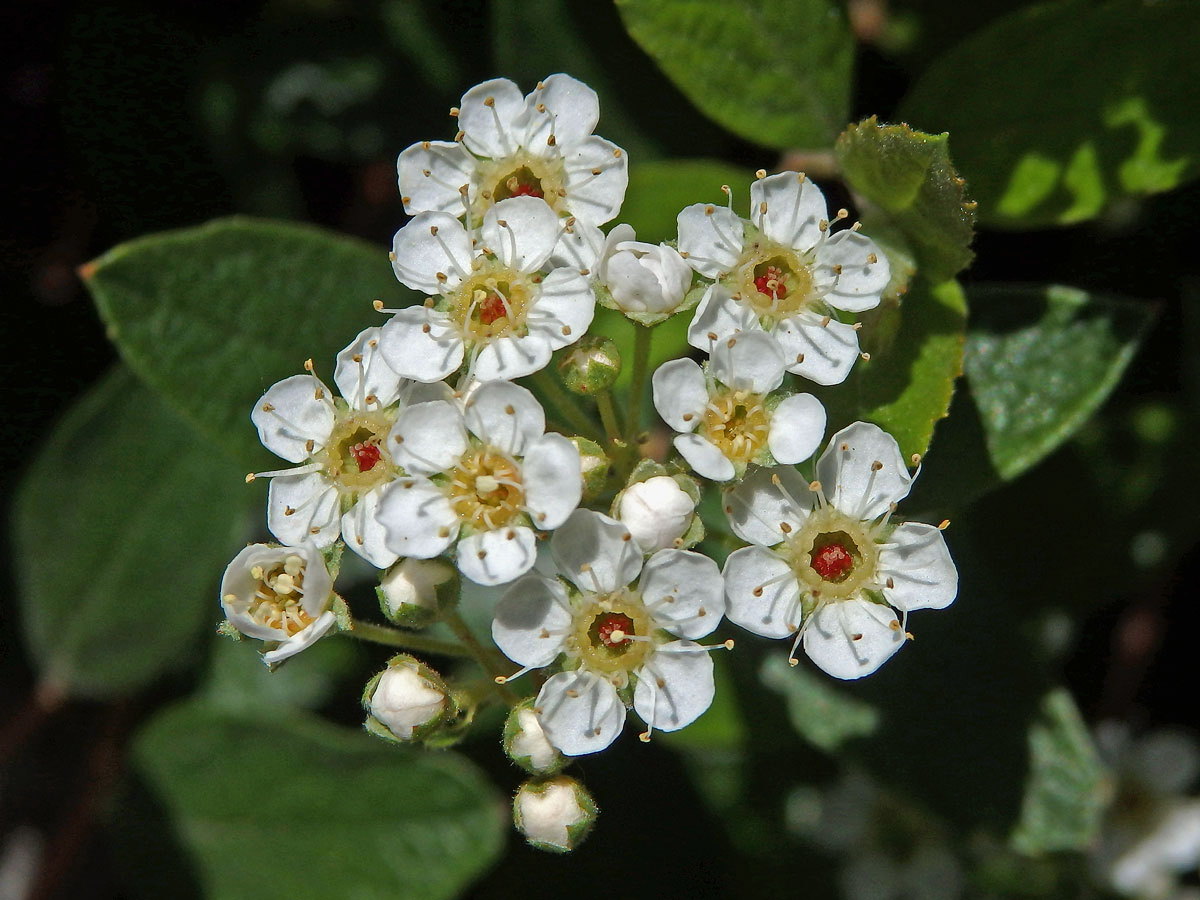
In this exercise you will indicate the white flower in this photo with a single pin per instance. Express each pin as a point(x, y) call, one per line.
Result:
point(656, 511)
point(405, 698)
point(540, 145)
point(788, 275)
point(1152, 867)
point(340, 443)
point(480, 477)
point(726, 419)
point(278, 594)
point(554, 814)
point(613, 632)
point(487, 295)
point(826, 564)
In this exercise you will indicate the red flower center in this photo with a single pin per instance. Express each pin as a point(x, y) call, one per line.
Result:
point(833, 562)
point(772, 283)
point(491, 309)
point(613, 629)
point(366, 455)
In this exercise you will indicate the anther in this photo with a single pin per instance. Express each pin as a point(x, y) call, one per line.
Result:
point(915, 459)
point(872, 258)
point(309, 445)
point(268, 407)
point(815, 486)
point(489, 101)
point(566, 330)
point(891, 582)
point(378, 304)
point(454, 112)
point(865, 356)
point(729, 644)
point(760, 174)
point(842, 214)
point(308, 366)
point(876, 466)
point(509, 409)
point(425, 329)
point(785, 527)
point(762, 207)
point(250, 476)
point(709, 210)
point(945, 523)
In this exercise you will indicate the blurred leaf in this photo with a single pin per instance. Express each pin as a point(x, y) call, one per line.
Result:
point(659, 190)
point(1039, 361)
point(775, 72)
point(820, 713)
point(1060, 109)
point(212, 316)
point(909, 176)
point(1067, 789)
point(295, 807)
point(916, 354)
point(121, 528)
point(238, 681)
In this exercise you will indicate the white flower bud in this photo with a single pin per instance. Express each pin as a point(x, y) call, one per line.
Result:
point(656, 511)
point(643, 277)
point(555, 814)
point(405, 698)
point(411, 592)
point(526, 744)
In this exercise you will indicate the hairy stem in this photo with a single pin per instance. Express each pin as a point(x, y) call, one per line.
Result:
point(406, 640)
point(637, 385)
point(566, 405)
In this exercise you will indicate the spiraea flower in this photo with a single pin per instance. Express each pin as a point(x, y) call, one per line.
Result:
point(483, 475)
point(827, 564)
point(619, 625)
point(488, 295)
point(784, 272)
point(280, 595)
point(339, 442)
point(728, 417)
point(540, 145)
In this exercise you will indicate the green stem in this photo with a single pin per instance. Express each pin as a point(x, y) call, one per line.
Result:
point(566, 405)
point(608, 415)
point(489, 660)
point(637, 384)
point(405, 640)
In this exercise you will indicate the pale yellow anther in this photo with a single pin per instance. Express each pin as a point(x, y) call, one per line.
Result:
point(709, 210)
point(378, 305)
point(760, 174)
point(489, 101)
point(433, 229)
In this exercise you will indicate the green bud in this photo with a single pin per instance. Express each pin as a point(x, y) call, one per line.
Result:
point(525, 743)
point(415, 592)
point(554, 814)
point(406, 701)
point(591, 366)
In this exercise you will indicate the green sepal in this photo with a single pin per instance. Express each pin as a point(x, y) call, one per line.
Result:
point(229, 630)
point(333, 558)
point(595, 465)
point(342, 620)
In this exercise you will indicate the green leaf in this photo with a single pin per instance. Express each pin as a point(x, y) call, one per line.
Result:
point(212, 316)
point(1067, 789)
point(295, 807)
point(775, 72)
point(1040, 361)
point(659, 190)
point(121, 528)
point(1058, 110)
point(720, 727)
point(820, 713)
point(916, 354)
point(908, 175)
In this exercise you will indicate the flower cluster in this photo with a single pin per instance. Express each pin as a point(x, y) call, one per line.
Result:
point(430, 462)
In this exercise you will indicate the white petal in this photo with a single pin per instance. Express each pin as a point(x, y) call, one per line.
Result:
point(513, 357)
point(795, 208)
point(314, 505)
point(757, 507)
point(527, 239)
point(761, 593)
point(710, 238)
point(430, 175)
point(675, 686)
point(564, 308)
point(820, 351)
point(421, 344)
point(618, 235)
point(497, 557)
point(573, 107)
point(852, 638)
point(796, 429)
point(531, 620)
point(593, 197)
point(492, 129)
point(684, 592)
point(369, 376)
point(505, 416)
point(704, 457)
point(862, 471)
point(553, 478)
point(579, 247)
point(680, 395)
point(719, 316)
point(364, 534)
point(657, 512)
point(432, 243)
point(293, 412)
point(428, 437)
point(417, 518)
point(306, 637)
point(751, 361)
point(861, 282)
point(595, 552)
point(634, 286)
point(917, 561)
point(580, 712)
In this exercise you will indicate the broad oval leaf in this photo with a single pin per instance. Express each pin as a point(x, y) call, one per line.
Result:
point(295, 807)
point(121, 528)
point(775, 72)
point(212, 316)
point(659, 190)
point(1060, 109)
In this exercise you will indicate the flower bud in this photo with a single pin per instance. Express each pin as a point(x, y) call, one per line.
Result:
point(656, 511)
point(414, 592)
point(645, 278)
point(595, 465)
point(526, 743)
point(554, 814)
point(407, 700)
point(591, 366)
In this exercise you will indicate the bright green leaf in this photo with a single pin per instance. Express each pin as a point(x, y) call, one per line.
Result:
point(908, 175)
point(659, 190)
point(1060, 109)
point(1067, 789)
point(122, 526)
point(775, 72)
point(823, 715)
point(212, 316)
point(916, 354)
point(720, 727)
point(294, 807)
